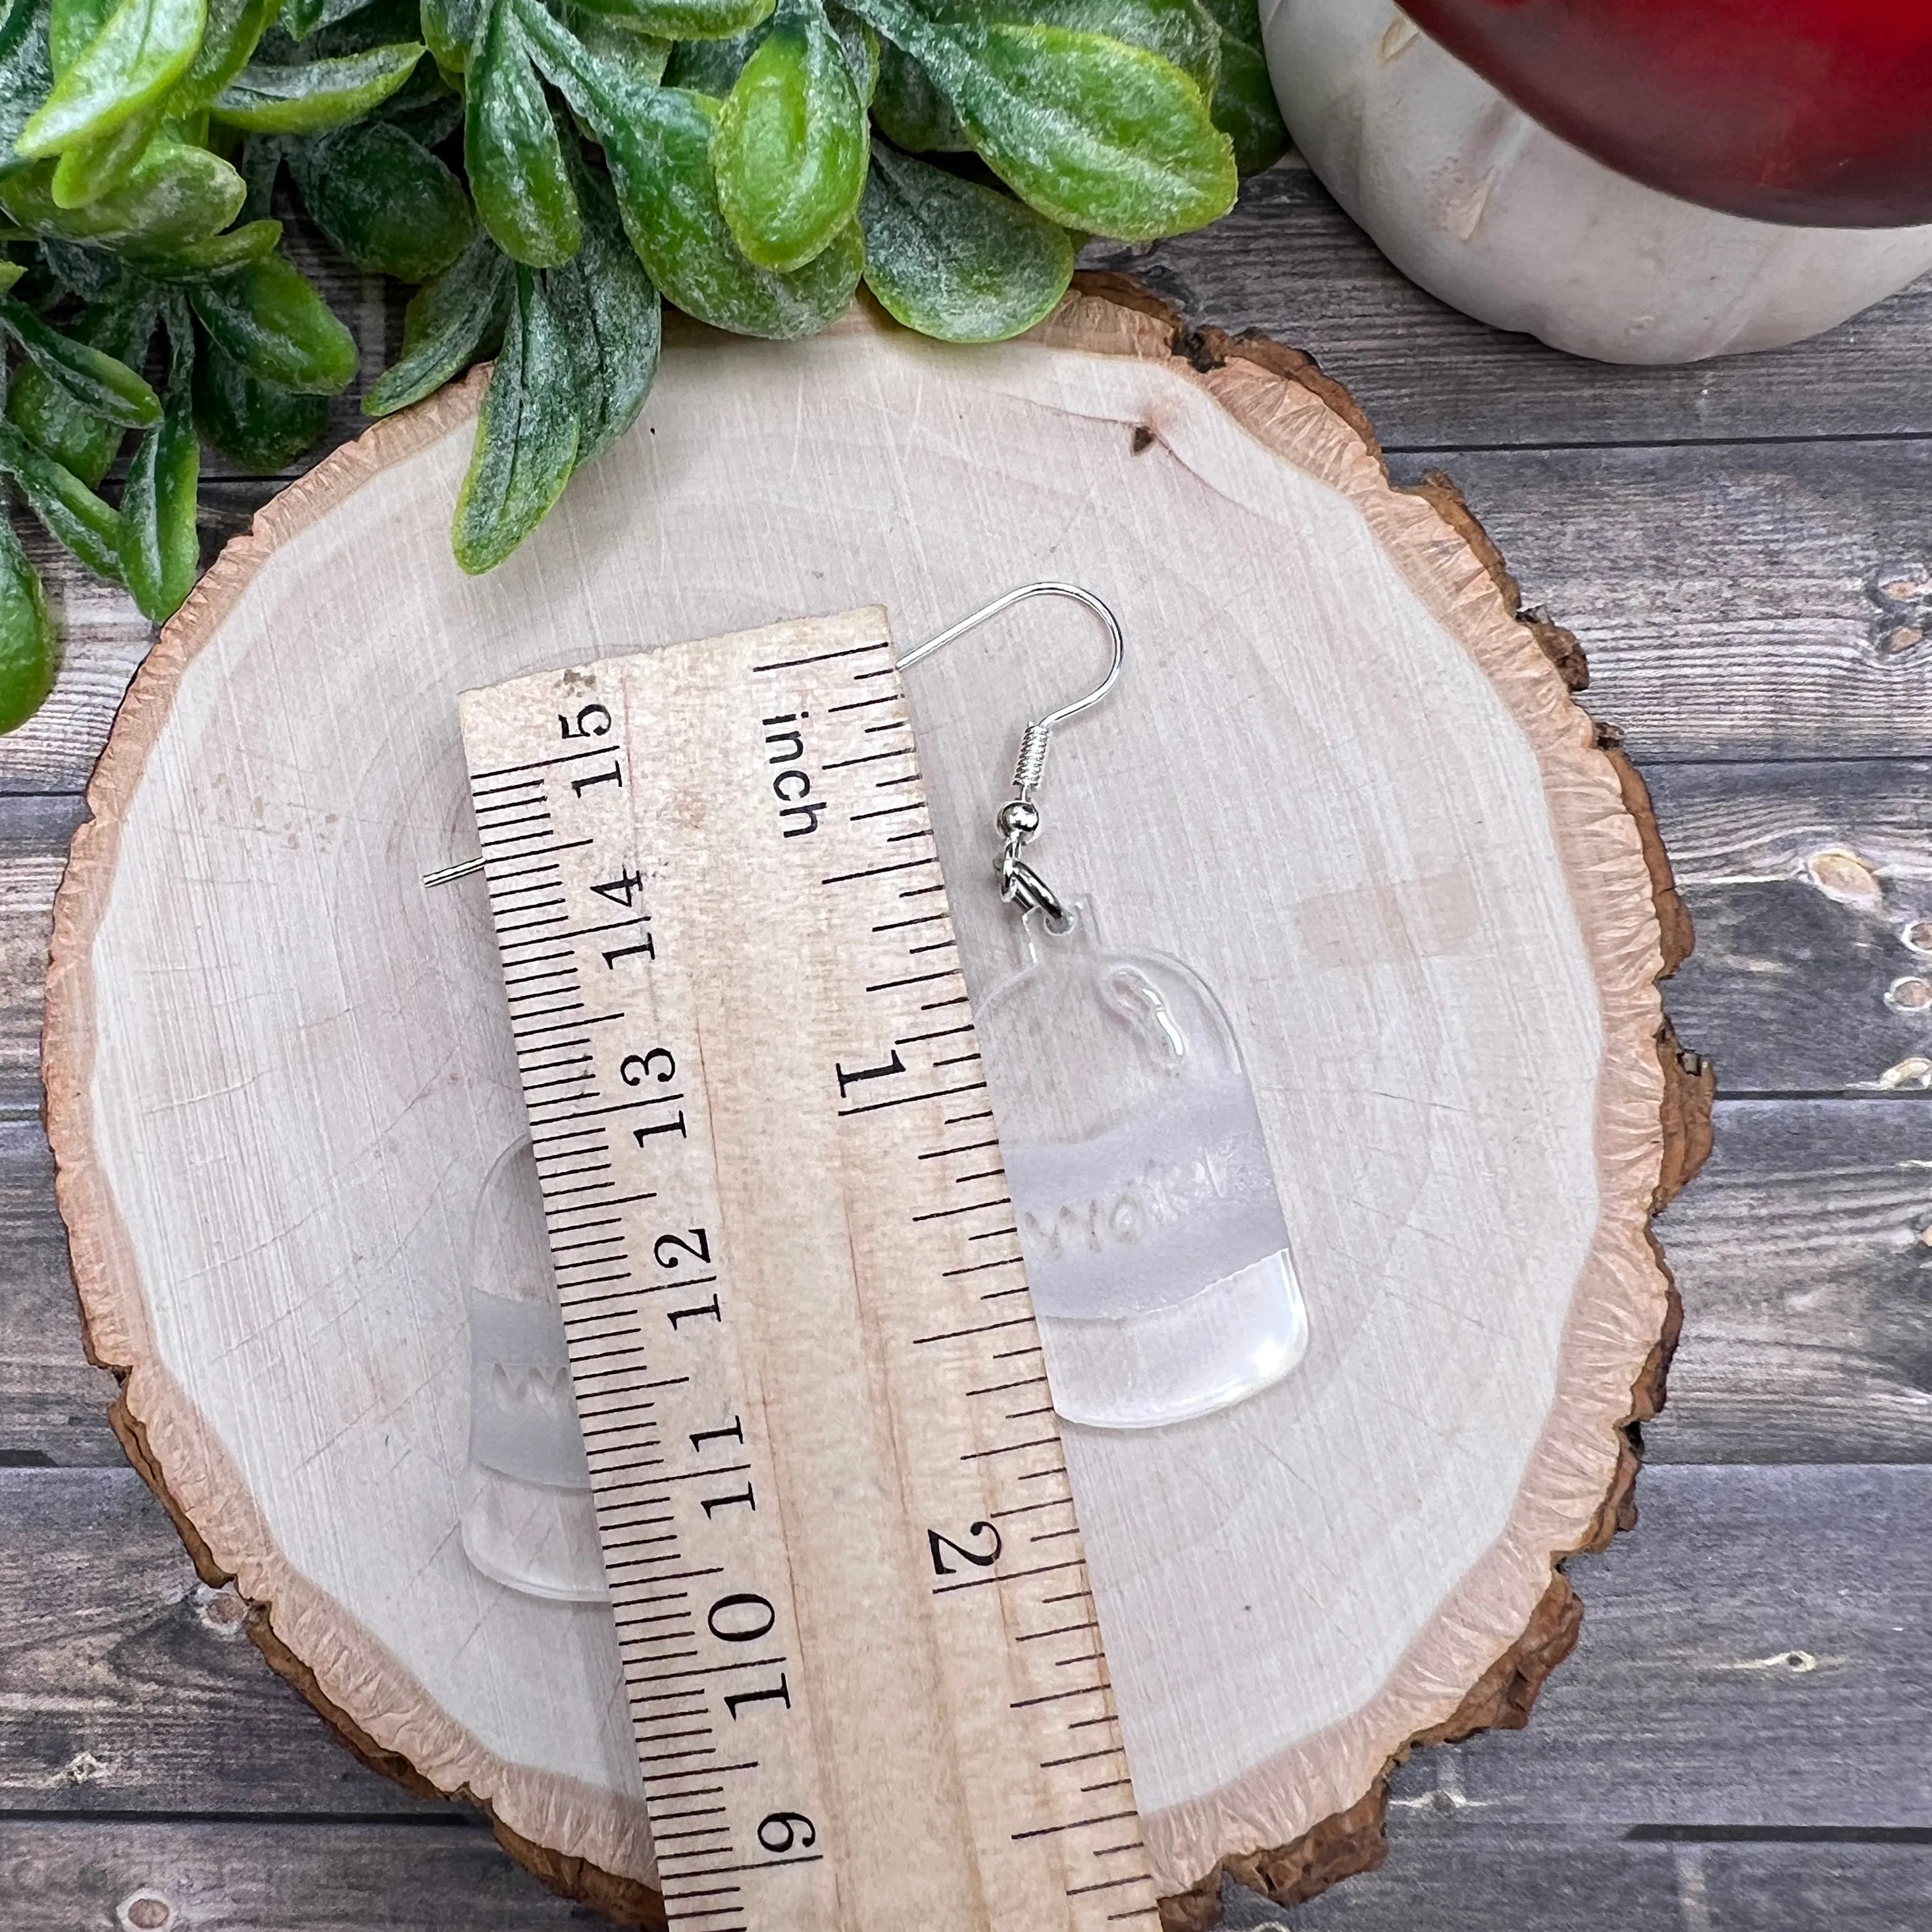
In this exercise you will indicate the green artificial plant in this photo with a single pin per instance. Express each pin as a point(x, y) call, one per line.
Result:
point(545, 173)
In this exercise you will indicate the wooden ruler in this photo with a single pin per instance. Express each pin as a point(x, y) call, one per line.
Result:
point(864, 1665)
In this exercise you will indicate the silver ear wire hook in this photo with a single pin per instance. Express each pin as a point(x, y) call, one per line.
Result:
point(1018, 820)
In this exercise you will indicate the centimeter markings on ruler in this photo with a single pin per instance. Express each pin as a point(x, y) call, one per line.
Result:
point(861, 1651)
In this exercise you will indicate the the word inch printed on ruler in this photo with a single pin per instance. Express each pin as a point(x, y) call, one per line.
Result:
point(862, 1655)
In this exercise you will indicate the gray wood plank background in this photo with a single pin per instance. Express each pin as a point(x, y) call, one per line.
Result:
point(1743, 1741)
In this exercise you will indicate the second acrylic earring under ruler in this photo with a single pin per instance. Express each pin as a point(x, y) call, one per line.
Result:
point(861, 1654)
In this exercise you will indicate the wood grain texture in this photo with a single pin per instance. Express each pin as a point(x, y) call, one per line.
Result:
point(53, 1406)
point(1811, 885)
point(131, 1689)
point(1444, 1875)
point(1800, 1254)
point(34, 836)
point(1803, 1259)
point(1448, 1877)
point(1689, 604)
point(1768, 1600)
point(262, 1876)
point(131, 1686)
point(1743, 600)
point(1805, 880)
point(102, 640)
point(1288, 263)
point(1736, 600)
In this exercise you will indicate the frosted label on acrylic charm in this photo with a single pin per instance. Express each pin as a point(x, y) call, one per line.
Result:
point(1155, 1243)
point(528, 1519)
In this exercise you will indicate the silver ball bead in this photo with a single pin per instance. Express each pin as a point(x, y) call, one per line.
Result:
point(1018, 818)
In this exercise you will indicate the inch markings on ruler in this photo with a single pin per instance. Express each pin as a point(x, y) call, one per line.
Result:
point(860, 1650)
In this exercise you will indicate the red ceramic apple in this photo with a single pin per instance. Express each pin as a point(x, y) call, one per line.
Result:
point(1812, 111)
point(1642, 180)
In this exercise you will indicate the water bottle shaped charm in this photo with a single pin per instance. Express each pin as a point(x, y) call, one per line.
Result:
point(1154, 1239)
point(528, 1520)
point(1149, 1219)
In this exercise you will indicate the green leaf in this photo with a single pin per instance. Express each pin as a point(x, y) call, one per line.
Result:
point(956, 259)
point(686, 19)
point(1183, 31)
point(235, 28)
point(657, 143)
point(261, 164)
point(317, 95)
point(219, 252)
point(790, 149)
point(120, 325)
point(29, 643)
point(385, 201)
point(910, 111)
point(860, 47)
point(598, 91)
point(177, 194)
point(518, 174)
point(609, 313)
point(527, 434)
point(74, 516)
point(143, 48)
point(252, 422)
point(26, 73)
point(342, 26)
point(95, 168)
point(1244, 103)
point(447, 324)
point(71, 27)
point(451, 28)
point(660, 161)
point(89, 274)
point(160, 550)
point(268, 318)
point(712, 67)
point(1097, 135)
point(301, 18)
point(51, 420)
point(429, 110)
point(96, 381)
point(619, 39)
point(90, 170)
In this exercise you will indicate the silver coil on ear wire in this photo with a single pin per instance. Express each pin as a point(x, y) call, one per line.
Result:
point(1018, 820)
point(1031, 762)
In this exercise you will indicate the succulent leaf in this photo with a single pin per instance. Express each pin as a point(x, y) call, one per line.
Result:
point(956, 259)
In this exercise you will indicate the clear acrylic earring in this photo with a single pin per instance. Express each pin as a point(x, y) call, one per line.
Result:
point(1152, 1229)
point(528, 1519)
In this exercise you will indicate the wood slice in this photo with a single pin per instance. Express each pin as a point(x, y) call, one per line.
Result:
point(1344, 781)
